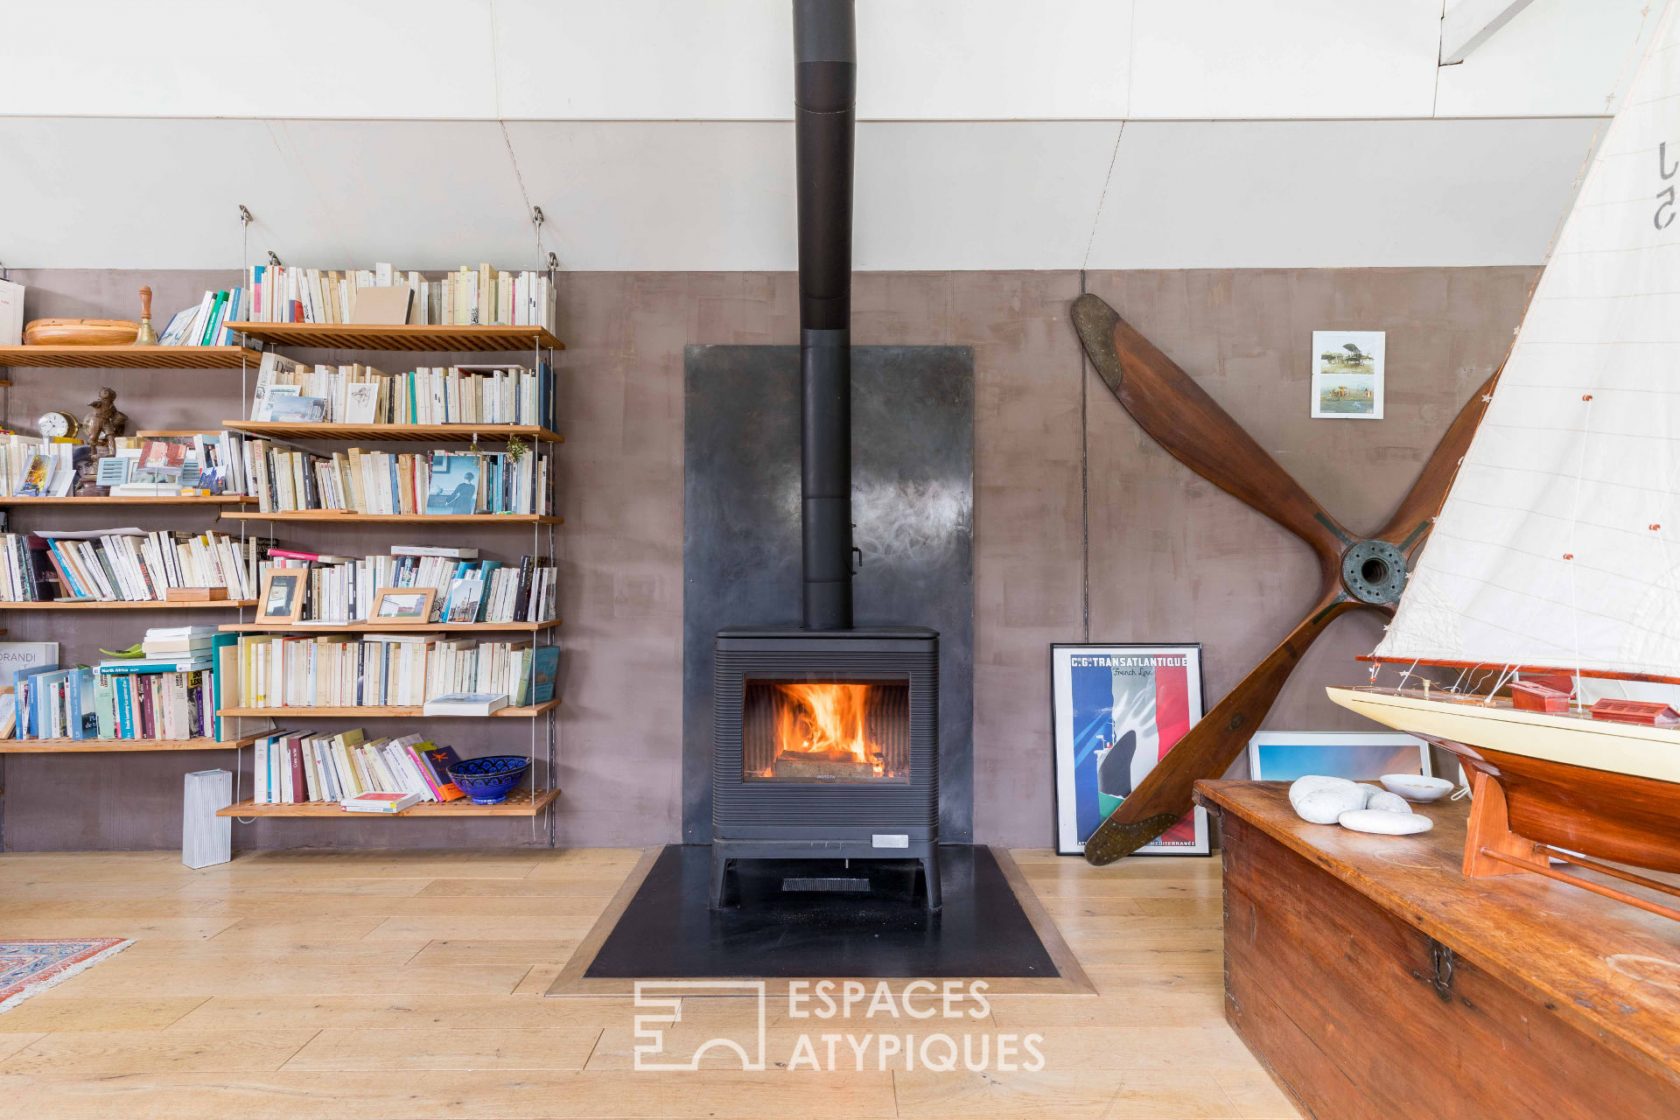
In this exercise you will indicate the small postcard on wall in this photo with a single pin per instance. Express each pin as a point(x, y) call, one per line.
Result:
point(1347, 380)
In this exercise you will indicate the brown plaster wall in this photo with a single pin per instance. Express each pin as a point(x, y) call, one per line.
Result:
point(1077, 513)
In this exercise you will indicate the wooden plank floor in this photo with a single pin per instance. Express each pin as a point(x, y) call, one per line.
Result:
point(365, 986)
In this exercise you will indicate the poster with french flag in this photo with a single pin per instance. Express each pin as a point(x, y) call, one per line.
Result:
point(1118, 711)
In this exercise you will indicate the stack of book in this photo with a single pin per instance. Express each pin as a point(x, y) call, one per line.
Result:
point(205, 324)
point(289, 479)
point(161, 466)
point(151, 466)
point(358, 394)
point(124, 565)
point(379, 670)
point(293, 767)
point(466, 589)
point(170, 692)
point(485, 295)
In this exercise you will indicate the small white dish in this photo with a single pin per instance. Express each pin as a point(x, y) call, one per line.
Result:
point(1416, 787)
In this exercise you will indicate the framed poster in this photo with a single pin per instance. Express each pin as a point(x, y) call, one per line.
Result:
point(1283, 756)
point(1347, 378)
point(1116, 711)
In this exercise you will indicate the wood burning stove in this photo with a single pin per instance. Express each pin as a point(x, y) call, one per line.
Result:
point(826, 745)
point(825, 739)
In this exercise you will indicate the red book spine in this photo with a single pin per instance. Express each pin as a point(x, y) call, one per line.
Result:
point(300, 783)
point(147, 730)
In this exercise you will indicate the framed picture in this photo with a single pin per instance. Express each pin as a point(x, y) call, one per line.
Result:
point(1116, 711)
point(404, 604)
point(1347, 379)
point(281, 596)
point(1283, 756)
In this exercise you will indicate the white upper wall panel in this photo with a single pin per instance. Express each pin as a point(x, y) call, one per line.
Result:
point(1339, 194)
point(420, 194)
point(1243, 59)
point(200, 58)
point(103, 193)
point(1555, 58)
point(671, 196)
point(964, 195)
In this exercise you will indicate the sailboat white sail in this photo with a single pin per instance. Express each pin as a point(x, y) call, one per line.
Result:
point(1559, 542)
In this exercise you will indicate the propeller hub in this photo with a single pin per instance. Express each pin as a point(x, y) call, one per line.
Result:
point(1374, 572)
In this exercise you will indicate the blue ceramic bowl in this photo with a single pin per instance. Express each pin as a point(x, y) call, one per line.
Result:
point(490, 779)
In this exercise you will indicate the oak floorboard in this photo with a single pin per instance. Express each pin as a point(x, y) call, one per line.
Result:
point(81, 1055)
point(363, 1049)
point(56, 1010)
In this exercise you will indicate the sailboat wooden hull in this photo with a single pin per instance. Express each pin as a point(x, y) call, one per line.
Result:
point(1610, 791)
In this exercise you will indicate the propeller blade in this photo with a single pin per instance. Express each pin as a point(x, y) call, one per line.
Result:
point(1193, 429)
point(1418, 509)
point(1209, 748)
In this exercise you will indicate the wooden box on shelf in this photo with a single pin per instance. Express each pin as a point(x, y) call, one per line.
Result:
point(196, 594)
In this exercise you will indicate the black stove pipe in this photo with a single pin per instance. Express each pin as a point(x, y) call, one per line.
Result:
point(825, 92)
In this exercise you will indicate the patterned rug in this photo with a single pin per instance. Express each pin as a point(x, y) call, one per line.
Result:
point(29, 966)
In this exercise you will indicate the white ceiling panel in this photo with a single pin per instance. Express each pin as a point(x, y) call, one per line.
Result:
point(644, 59)
point(1338, 194)
point(1555, 58)
point(1244, 60)
point(963, 195)
point(993, 59)
point(674, 196)
point(420, 194)
point(302, 58)
point(104, 193)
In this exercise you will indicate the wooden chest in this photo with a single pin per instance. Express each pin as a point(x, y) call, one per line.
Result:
point(1374, 980)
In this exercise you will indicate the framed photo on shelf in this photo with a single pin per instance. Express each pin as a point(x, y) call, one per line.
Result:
point(1363, 756)
point(1117, 710)
point(403, 604)
point(281, 596)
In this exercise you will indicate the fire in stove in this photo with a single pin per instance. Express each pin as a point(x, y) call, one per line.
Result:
point(828, 731)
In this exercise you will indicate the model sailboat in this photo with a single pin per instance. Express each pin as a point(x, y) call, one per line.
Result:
point(1556, 556)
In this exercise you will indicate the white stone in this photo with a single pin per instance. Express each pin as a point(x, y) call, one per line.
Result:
point(1386, 824)
point(1302, 786)
point(1416, 787)
point(1387, 802)
point(1323, 801)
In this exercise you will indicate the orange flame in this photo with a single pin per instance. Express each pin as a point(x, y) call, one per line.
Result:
point(826, 719)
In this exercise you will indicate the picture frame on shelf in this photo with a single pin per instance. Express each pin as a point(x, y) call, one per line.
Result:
point(280, 599)
point(1117, 710)
point(1361, 756)
point(403, 604)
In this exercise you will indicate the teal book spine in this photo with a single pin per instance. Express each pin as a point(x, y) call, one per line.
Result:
point(105, 706)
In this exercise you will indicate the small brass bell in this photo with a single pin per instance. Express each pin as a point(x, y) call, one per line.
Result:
point(147, 336)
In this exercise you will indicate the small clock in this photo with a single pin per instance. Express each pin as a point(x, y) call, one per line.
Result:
point(58, 425)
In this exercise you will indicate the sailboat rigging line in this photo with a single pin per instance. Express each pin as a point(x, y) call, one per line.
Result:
point(1574, 525)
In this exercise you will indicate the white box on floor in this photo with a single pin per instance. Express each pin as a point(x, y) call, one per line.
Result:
point(206, 839)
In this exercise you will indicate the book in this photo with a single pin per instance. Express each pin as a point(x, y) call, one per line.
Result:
point(466, 704)
point(464, 553)
point(296, 409)
point(11, 313)
point(454, 483)
point(380, 802)
point(545, 670)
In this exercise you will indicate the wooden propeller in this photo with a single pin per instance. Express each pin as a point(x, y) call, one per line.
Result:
point(1355, 573)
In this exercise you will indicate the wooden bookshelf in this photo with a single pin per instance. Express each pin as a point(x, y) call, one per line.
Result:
point(362, 336)
point(118, 746)
point(386, 627)
point(133, 500)
point(415, 711)
point(131, 357)
point(520, 803)
point(346, 517)
point(391, 433)
point(129, 605)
